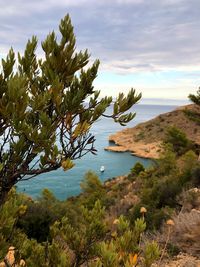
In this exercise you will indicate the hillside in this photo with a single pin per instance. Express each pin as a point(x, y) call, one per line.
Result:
point(148, 218)
point(144, 139)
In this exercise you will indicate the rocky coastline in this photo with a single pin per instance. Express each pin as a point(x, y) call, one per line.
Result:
point(145, 139)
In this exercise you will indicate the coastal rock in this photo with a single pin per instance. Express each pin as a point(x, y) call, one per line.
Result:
point(144, 140)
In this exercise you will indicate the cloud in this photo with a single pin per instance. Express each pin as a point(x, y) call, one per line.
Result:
point(129, 36)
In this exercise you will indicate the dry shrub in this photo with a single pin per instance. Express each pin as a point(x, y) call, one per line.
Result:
point(189, 199)
point(186, 232)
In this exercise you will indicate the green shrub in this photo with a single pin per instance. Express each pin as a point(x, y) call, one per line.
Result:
point(195, 175)
point(36, 222)
point(137, 168)
point(153, 217)
point(179, 140)
point(93, 190)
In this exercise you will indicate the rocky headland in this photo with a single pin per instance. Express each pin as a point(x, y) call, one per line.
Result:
point(144, 140)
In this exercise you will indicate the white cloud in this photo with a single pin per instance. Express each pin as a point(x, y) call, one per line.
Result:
point(129, 36)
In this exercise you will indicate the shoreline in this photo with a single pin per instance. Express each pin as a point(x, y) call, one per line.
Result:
point(145, 139)
point(145, 151)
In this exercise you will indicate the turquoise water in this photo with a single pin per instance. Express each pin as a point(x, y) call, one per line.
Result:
point(66, 184)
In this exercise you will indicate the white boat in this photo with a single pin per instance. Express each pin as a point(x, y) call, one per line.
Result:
point(102, 169)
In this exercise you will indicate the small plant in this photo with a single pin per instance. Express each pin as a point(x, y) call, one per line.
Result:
point(186, 234)
point(151, 253)
point(170, 224)
point(126, 247)
point(179, 140)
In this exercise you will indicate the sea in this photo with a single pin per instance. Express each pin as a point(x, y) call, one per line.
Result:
point(66, 184)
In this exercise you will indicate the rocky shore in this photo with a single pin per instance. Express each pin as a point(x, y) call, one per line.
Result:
point(144, 140)
point(139, 149)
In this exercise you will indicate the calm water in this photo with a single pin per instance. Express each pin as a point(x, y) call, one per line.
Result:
point(66, 184)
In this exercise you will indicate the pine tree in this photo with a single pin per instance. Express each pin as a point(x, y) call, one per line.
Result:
point(195, 98)
point(47, 107)
point(194, 114)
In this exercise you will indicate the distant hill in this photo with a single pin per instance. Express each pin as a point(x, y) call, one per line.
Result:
point(144, 139)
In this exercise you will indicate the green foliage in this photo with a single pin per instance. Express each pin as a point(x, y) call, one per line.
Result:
point(137, 168)
point(124, 248)
point(108, 255)
point(40, 215)
point(160, 186)
point(162, 193)
point(93, 190)
point(161, 183)
point(178, 140)
point(35, 223)
point(194, 114)
point(195, 98)
point(140, 226)
point(10, 213)
point(80, 228)
point(83, 240)
point(44, 108)
point(81, 237)
point(57, 257)
point(154, 216)
point(195, 175)
point(151, 253)
point(189, 162)
point(32, 252)
point(166, 164)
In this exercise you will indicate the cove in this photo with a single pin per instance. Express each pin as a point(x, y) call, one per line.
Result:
point(67, 184)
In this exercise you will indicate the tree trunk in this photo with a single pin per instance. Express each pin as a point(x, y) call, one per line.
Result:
point(4, 190)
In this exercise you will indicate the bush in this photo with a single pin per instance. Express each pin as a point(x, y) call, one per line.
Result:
point(195, 175)
point(154, 217)
point(137, 168)
point(179, 140)
point(36, 222)
point(93, 190)
point(40, 214)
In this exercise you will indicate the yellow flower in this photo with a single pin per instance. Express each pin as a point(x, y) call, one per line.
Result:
point(133, 258)
point(116, 221)
point(170, 222)
point(143, 210)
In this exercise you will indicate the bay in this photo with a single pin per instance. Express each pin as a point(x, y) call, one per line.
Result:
point(66, 184)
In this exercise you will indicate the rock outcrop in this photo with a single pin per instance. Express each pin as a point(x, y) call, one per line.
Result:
point(144, 140)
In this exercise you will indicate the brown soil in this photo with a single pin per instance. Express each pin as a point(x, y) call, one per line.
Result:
point(182, 260)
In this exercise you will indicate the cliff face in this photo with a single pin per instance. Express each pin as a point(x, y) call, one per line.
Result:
point(144, 140)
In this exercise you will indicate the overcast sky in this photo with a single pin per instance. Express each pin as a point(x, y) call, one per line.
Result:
point(151, 45)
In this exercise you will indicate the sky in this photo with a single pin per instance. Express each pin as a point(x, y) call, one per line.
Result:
point(150, 45)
